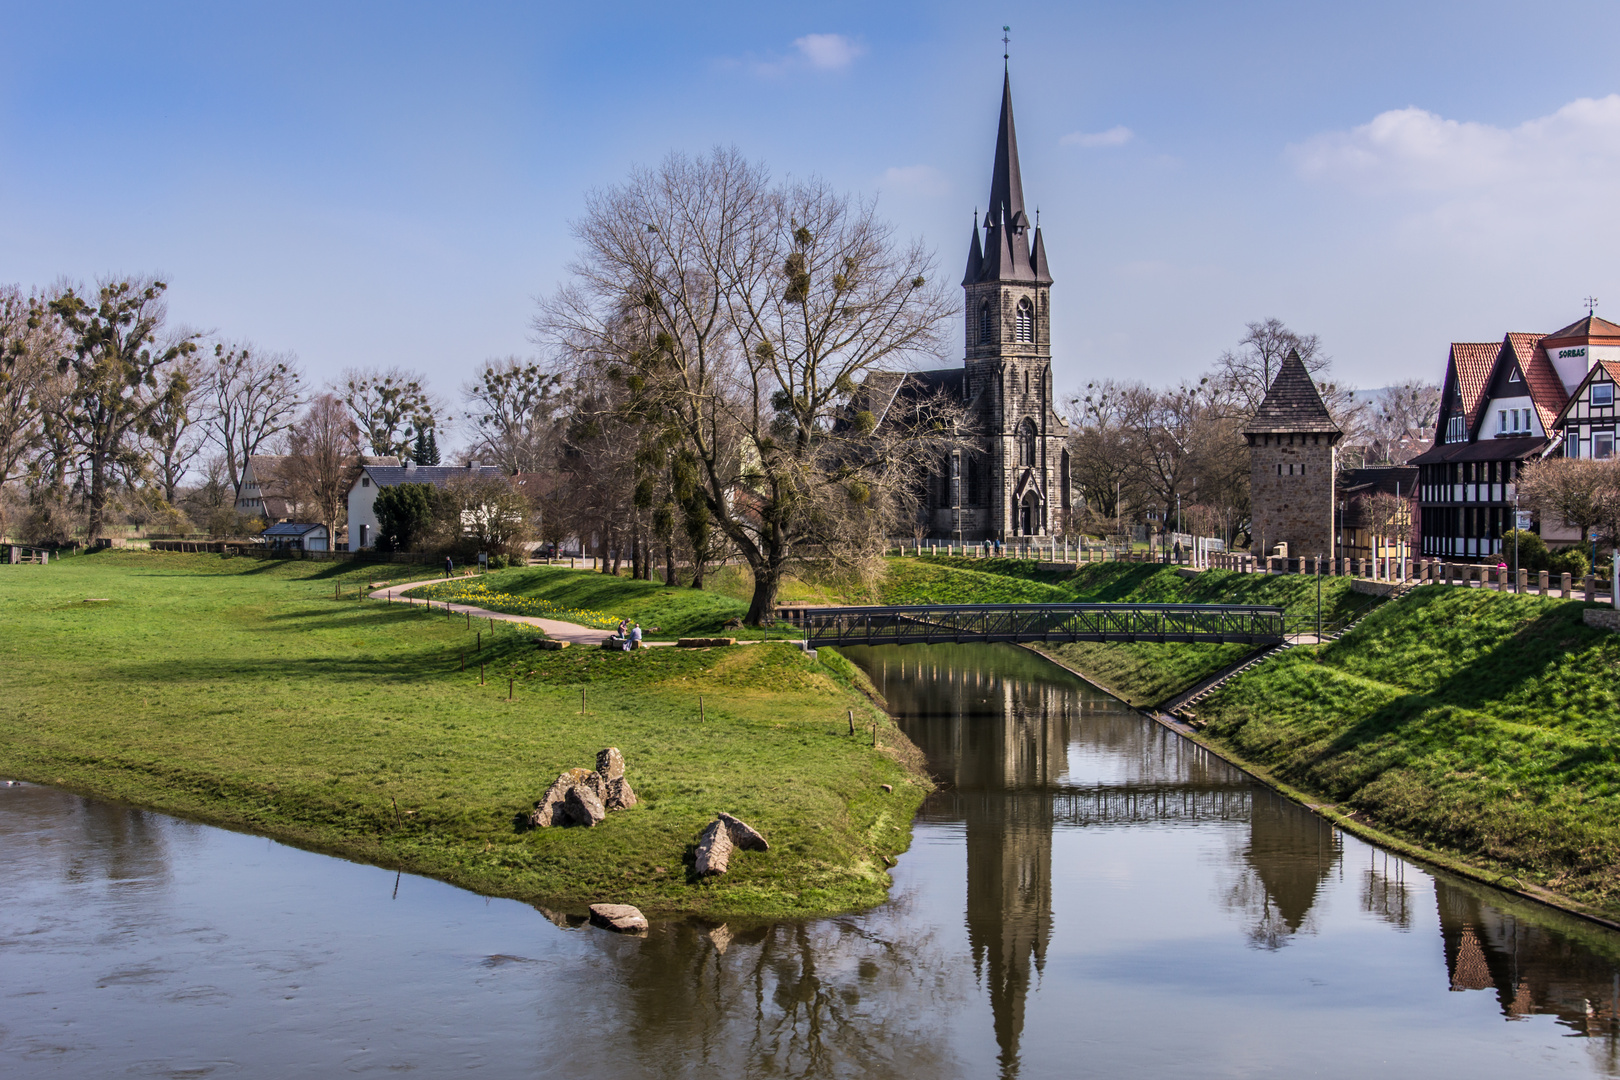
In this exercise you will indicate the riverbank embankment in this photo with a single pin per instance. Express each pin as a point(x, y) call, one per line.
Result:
point(244, 693)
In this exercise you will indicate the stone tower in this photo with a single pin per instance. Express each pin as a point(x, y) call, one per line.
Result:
point(1020, 462)
point(1292, 442)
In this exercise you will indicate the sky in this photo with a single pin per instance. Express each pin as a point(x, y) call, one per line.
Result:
point(395, 183)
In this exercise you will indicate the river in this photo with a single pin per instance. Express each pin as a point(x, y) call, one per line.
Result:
point(1087, 895)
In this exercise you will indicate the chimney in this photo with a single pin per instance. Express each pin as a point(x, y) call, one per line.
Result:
point(472, 464)
point(409, 465)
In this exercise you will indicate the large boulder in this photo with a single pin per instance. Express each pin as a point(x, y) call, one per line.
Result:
point(743, 834)
point(609, 764)
point(713, 849)
point(548, 811)
point(583, 806)
point(619, 917)
point(620, 796)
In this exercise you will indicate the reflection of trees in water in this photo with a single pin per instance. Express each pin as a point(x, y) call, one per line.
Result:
point(1535, 965)
point(101, 842)
point(1289, 852)
point(836, 997)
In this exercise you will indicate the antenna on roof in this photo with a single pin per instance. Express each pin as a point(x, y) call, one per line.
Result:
point(1006, 32)
point(1591, 305)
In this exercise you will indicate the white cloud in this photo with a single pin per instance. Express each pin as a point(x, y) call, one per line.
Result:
point(1478, 182)
point(913, 180)
point(828, 51)
point(1117, 135)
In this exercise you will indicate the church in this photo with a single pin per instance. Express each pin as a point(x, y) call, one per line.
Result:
point(1010, 478)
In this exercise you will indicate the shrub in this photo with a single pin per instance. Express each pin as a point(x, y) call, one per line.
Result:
point(1532, 550)
point(1571, 561)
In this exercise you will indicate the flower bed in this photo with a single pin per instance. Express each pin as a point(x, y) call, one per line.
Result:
point(480, 595)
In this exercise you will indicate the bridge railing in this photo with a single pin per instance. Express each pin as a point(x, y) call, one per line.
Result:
point(921, 624)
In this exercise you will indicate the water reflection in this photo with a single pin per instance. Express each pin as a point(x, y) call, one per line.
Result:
point(1087, 894)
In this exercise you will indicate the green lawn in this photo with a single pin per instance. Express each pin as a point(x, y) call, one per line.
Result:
point(1478, 723)
point(239, 692)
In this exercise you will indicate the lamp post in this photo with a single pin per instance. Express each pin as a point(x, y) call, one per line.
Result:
point(1515, 538)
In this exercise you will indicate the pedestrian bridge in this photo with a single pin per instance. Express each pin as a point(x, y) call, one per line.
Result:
point(1249, 624)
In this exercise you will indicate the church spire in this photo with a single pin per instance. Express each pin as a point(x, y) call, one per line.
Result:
point(1006, 185)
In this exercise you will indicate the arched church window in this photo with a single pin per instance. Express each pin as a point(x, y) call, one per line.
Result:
point(986, 324)
point(1026, 321)
point(1026, 443)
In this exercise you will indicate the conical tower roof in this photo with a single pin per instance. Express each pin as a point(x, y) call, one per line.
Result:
point(1006, 185)
point(975, 262)
point(1292, 405)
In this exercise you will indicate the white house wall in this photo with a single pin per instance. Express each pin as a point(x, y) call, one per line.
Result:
point(362, 513)
point(1492, 427)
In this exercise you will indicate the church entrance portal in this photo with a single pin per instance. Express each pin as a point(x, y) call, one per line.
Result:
point(1028, 516)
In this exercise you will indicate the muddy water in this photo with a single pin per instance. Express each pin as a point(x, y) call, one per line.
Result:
point(1087, 896)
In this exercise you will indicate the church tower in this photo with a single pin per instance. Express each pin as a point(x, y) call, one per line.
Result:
point(1020, 467)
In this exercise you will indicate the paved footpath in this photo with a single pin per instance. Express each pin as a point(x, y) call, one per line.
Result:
point(554, 628)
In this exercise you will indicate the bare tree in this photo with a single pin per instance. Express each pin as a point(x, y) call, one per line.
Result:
point(1579, 492)
point(177, 429)
point(119, 355)
point(391, 408)
point(1099, 455)
point(322, 460)
point(745, 316)
point(514, 409)
point(487, 511)
point(255, 398)
point(1400, 421)
point(29, 346)
point(1246, 372)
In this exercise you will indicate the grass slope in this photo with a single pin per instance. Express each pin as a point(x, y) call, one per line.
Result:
point(241, 693)
point(1476, 723)
point(1144, 674)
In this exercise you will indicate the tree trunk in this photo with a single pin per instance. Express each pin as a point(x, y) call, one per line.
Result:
point(98, 496)
point(669, 562)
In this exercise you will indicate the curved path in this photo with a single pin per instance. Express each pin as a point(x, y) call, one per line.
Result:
point(554, 628)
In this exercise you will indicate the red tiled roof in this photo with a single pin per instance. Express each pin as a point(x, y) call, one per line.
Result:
point(1589, 327)
point(1612, 367)
point(1473, 361)
point(1540, 378)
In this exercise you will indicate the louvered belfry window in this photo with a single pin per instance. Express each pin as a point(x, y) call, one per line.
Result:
point(1026, 322)
point(986, 324)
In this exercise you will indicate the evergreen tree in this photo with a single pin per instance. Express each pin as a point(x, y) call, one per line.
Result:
point(419, 451)
point(432, 457)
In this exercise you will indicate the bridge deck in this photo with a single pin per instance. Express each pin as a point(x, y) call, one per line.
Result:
point(1251, 624)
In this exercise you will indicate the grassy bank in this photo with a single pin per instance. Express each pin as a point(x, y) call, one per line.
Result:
point(240, 693)
point(601, 600)
point(1482, 726)
point(1144, 674)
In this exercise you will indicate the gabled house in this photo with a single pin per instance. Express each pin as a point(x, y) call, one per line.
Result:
point(296, 536)
point(1586, 425)
point(374, 477)
point(1494, 417)
point(262, 493)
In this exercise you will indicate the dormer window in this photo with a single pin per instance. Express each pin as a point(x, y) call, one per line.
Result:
point(1026, 322)
point(1602, 394)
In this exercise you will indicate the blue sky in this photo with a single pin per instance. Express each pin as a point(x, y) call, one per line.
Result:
point(372, 184)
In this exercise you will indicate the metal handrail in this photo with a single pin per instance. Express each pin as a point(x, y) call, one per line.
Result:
point(1256, 624)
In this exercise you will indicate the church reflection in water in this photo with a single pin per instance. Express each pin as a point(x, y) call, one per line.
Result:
point(998, 726)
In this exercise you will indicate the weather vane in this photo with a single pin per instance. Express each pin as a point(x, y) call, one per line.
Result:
point(1591, 305)
point(1006, 32)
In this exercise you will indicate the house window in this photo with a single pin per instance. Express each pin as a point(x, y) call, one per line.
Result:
point(1513, 375)
point(1501, 420)
point(365, 481)
point(1602, 444)
point(1026, 443)
point(986, 323)
point(1603, 394)
point(1026, 322)
point(1572, 444)
point(1454, 429)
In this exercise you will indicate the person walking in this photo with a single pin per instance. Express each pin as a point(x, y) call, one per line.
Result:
point(449, 566)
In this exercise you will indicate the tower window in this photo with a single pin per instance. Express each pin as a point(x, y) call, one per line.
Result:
point(986, 324)
point(1025, 323)
point(1026, 443)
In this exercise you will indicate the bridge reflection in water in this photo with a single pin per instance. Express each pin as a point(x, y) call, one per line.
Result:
point(1001, 728)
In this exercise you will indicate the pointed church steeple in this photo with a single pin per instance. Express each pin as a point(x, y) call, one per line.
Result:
point(975, 255)
point(1006, 254)
point(1006, 185)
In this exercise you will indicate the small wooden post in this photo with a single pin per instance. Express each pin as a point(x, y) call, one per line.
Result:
point(700, 709)
point(337, 590)
point(469, 620)
point(397, 819)
point(480, 674)
point(509, 683)
point(480, 647)
point(852, 721)
point(874, 732)
point(582, 701)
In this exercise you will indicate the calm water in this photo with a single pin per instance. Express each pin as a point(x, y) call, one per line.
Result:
point(1089, 896)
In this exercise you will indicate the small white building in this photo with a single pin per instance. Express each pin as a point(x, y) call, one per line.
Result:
point(375, 476)
point(296, 536)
